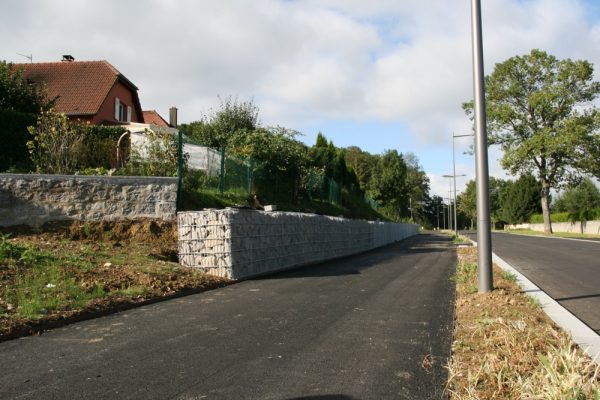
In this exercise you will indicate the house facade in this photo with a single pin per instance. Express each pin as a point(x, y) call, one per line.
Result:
point(90, 91)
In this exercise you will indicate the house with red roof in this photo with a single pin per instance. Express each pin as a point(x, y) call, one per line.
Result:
point(92, 91)
point(154, 118)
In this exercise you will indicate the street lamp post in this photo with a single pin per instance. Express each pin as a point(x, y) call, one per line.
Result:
point(454, 172)
point(484, 233)
point(453, 176)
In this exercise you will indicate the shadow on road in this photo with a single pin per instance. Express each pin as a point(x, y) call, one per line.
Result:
point(422, 243)
point(588, 296)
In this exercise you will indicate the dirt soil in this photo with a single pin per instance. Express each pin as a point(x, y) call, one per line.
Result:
point(133, 262)
point(503, 339)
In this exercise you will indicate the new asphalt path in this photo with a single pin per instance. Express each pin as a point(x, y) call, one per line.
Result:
point(568, 270)
point(373, 326)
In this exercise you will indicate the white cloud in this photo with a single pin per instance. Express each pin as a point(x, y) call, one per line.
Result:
point(302, 60)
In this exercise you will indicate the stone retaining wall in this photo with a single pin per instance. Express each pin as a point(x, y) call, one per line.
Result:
point(591, 227)
point(238, 244)
point(31, 199)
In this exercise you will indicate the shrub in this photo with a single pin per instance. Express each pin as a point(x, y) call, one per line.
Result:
point(14, 137)
point(57, 146)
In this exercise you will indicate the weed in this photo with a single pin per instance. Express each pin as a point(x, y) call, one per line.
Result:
point(132, 291)
point(507, 348)
point(509, 276)
point(87, 230)
point(534, 301)
point(9, 250)
point(465, 272)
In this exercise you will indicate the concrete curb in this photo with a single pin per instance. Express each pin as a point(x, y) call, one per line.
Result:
point(586, 338)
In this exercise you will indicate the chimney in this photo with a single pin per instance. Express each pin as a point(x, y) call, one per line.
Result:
point(173, 117)
point(68, 58)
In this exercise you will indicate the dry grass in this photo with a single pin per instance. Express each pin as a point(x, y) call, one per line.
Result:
point(505, 347)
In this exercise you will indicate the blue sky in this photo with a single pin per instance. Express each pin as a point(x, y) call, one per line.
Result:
point(379, 74)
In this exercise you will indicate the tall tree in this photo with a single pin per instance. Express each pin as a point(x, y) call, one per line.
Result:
point(417, 183)
point(540, 112)
point(520, 199)
point(389, 184)
point(467, 200)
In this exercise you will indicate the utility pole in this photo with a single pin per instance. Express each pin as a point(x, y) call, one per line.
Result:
point(484, 233)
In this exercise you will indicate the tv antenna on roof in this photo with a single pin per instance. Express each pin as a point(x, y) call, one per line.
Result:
point(29, 57)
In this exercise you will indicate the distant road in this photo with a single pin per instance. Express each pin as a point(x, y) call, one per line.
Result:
point(374, 326)
point(567, 270)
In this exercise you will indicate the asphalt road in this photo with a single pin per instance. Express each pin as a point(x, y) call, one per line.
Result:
point(567, 270)
point(374, 326)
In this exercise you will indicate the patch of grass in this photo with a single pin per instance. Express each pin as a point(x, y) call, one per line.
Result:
point(9, 250)
point(460, 239)
point(534, 302)
point(58, 274)
point(44, 289)
point(505, 347)
point(465, 272)
point(509, 276)
point(132, 291)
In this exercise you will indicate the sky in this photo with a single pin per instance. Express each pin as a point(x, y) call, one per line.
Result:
point(378, 74)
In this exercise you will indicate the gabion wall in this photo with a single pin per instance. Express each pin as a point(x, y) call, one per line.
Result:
point(237, 244)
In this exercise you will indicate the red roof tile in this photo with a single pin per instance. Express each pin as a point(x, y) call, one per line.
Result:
point(153, 117)
point(79, 87)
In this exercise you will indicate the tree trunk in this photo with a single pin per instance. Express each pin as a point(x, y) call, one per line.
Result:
point(546, 207)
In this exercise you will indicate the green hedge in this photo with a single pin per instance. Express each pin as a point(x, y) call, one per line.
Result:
point(14, 137)
point(567, 217)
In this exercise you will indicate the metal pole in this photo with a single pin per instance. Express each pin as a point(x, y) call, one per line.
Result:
point(444, 215)
point(454, 173)
point(484, 234)
point(179, 168)
point(438, 216)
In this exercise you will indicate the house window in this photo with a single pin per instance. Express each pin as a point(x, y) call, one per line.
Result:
point(122, 112)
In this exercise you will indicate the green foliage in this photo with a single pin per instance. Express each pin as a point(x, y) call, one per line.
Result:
point(40, 290)
point(520, 199)
point(57, 146)
point(271, 163)
point(157, 157)
point(538, 111)
point(14, 137)
point(467, 200)
point(20, 103)
point(9, 250)
point(362, 163)
point(232, 120)
point(388, 184)
point(593, 214)
point(580, 201)
point(17, 94)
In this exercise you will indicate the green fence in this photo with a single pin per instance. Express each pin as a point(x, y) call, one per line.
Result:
point(226, 174)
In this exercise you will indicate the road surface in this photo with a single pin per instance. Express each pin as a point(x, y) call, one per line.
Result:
point(374, 326)
point(567, 270)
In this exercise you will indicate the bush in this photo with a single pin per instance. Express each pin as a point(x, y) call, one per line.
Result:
point(56, 147)
point(566, 217)
point(157, 157)
point(14, 137)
